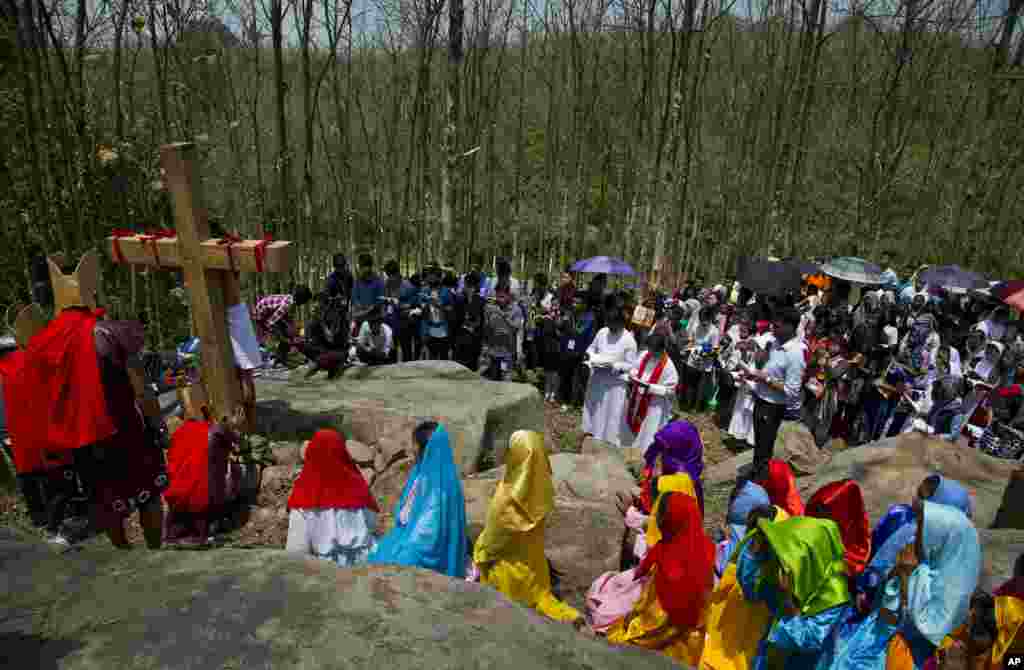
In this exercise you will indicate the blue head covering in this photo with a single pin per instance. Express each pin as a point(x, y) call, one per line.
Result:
point(435, 535)
point(952, 493)
point(939, 590)
point(895, 518)
point(748, 498)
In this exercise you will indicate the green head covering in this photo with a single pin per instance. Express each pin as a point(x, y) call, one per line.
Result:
point(811, 550)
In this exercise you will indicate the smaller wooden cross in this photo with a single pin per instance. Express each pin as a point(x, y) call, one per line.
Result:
point(210, 266)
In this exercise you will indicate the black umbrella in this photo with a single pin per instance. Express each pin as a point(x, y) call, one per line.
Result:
point(767, 277)
point(805, 267)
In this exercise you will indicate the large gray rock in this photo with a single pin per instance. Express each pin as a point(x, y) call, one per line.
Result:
point(380, 406)
point(794, 444)
point(1000, 548)
point(890, 470)
point(140, 610)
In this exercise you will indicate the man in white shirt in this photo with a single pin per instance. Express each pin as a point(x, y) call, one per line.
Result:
point(779, 391)
point(373, 345)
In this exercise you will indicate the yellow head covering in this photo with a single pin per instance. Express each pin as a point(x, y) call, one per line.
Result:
point(677, 483)
point(523, 499)
point(1009, 618)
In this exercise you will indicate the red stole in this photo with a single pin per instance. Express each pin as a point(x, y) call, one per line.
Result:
point(639, 398)
point(63, 373)
point(188, 468)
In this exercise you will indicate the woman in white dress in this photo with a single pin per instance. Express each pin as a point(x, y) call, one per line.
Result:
point(610, 357)
point(741, 427)
point(652, 393)
point(333, 514)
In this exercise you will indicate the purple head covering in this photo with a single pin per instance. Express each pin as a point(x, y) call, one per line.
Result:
point(681, 450)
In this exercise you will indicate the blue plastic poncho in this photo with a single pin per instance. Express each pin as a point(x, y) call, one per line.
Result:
point(895, 518)
point(434, 537)
point(952, 493)
point(940, 588)
point(748, 498)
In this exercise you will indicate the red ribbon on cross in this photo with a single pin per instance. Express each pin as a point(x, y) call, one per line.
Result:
point(261, 250)
point(153, 236)
point(230, 241)
point(118, 234)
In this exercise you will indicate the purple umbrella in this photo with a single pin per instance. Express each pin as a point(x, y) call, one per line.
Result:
point(604, 265)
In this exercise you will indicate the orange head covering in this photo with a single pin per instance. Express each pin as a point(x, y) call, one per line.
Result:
point(330, 478)
point(843, 502)
point(684, 558)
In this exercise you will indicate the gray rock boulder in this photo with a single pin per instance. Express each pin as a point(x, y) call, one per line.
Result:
point(261, 609)
point(380, 407)
point(890, 470)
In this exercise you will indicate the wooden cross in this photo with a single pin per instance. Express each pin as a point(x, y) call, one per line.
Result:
point(210, 267)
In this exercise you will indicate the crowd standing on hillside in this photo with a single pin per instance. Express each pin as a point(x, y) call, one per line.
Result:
point(785, 584)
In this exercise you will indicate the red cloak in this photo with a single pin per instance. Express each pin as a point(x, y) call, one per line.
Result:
point(65, 388)
point(28, 436)
point(685, 558)
point(843, 502)
point(188, 468)
point(330, 478)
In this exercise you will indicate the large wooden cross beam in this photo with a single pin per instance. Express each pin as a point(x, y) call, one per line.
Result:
point(209, 265)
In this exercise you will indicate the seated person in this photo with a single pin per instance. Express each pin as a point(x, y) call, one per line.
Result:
point(430, 517)
point(332, 514)
point(669, 616)
point(375, 341)
point(738, 616)
point(810, 596)
point(1001, 438)
point(510, 551)
point(204, 480)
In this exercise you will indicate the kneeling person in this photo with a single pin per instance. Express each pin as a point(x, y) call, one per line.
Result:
point(375, 340)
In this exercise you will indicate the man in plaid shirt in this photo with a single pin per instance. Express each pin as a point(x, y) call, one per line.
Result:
point(272, 317)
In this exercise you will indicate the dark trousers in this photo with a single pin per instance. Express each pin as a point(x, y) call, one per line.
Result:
point(438, 347)
point(47, 496)
point(467, 351)
point(374, 358)
point(767, 419)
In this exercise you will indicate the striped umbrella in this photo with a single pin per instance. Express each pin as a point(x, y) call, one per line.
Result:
point(854, 270)
point(1010, 292)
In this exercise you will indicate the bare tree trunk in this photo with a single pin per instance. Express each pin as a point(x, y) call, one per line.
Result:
point(277, 12)
point(450, 141)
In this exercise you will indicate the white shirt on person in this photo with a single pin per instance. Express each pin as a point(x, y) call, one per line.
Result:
point(380, 343)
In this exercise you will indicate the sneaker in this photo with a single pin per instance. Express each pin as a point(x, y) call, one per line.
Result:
point(58, 540)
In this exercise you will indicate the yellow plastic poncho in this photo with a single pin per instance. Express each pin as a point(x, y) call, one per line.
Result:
point(510, 551)
point(732, 622)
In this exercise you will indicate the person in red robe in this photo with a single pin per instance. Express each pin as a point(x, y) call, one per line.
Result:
point(87, 386)
point(777, 478)
point(204, 480)
point(46, 477)
point(843, 502)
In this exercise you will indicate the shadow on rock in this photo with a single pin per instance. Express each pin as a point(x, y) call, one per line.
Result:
point(18, 650)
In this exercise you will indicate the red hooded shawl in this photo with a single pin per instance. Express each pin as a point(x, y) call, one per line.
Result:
point(190, 465)
point(843, 502)
point(781, 488)
point(330, 478)
point(28, 435)
point(66, 390)
point(685, 559)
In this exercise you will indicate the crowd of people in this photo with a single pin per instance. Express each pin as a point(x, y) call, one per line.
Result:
point(783, 584)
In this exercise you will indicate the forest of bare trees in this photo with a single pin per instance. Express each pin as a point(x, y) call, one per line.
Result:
point(674, 133)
